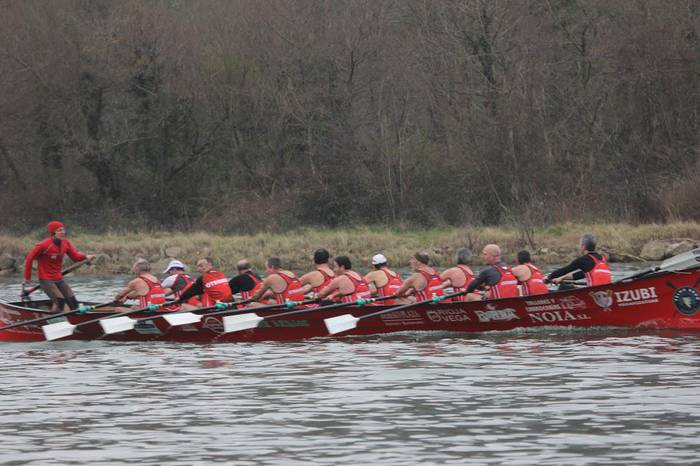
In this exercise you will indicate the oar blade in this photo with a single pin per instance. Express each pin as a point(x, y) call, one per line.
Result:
point(117, 324)
point(58, 330)
point(241, 322)
point(182, 318)
point(682, 261)
point(341, 323)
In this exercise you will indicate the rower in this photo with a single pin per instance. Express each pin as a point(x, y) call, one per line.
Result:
point(498, 277)
point(280, 285)
point(529, 276)
point(424, 283)
point(247, 282)
point(591, 265)
point(212, 286)
point(316, 280)
point(348, 286)
point(177, 282)
point(49, 256)
point(460, 276)
point(383, 281)
point(145, 287)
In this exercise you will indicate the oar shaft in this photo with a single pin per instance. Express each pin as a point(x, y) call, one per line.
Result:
point(65, 271)
point(53, 316)
point(330, 306)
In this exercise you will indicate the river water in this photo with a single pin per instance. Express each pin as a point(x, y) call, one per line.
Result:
point(550, 397)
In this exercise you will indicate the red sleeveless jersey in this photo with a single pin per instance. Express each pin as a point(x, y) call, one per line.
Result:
point(216, 288)
point(600, 274)
point(326, 280)
point(392, 286)
point(155, 294)
point(432, 288)
point(469, 276)
point(507, 286)
point(535, 284)
point(258, 283)
point(361, 290)
point(293, 290)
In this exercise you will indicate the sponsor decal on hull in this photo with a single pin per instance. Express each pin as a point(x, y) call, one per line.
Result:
point(686, 300)
point(213, 324)
point(447, 315)
point(636, 297)
point(604, 299)
point(407, 317)
point(491, 314)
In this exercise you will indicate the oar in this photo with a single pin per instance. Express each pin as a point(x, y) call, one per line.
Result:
point(64, 329)
point(80, 310)
point(236, 323)
point(349, 321)
point(678, 262)
point(26, 292)
point(174, 318)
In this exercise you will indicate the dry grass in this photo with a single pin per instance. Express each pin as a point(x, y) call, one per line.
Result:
point(550, 245)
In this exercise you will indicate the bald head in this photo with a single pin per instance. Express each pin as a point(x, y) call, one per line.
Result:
point(491, 254)
point(243, 265)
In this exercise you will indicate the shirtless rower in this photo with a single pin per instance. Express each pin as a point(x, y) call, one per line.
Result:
point(383, 281)
point(459, 276)
point(529, 276)
point(317, 279)
point(497, 277)
point(145, 287)
point(280, 285)
point(348, 286)
point(425, 282)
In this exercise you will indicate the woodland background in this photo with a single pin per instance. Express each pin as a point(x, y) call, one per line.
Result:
point(244, 116)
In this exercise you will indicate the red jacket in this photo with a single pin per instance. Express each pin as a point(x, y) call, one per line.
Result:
point(50, 259)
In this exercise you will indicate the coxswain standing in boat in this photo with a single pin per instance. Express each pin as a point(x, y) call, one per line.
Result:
point(211, 285)
point(497, 278)
point(529, 277)
point(247, 282)
point(424, 283)
point(49, 256)
point(460, 276)
point(316, 280)
point(279, 285)
point(177, 282)
point(591, 265)
point(145, 287)
point(383, 281)
point(348, 286)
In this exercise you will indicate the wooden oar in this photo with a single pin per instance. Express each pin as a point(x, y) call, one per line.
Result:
point(348, 321)
point(80, 310)
point(27, 291)
point(236, 323)
point(174, 318)
point(678, 262)
point(64, 329)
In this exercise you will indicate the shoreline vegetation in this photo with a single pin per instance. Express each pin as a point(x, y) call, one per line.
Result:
point(555, 244)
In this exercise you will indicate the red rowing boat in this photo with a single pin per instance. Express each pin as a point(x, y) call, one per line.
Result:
point(662, 300)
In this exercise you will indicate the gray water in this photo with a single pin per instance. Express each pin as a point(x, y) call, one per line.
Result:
point(551, 397)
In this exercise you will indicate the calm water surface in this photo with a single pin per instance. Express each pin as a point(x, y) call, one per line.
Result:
point(547, 397)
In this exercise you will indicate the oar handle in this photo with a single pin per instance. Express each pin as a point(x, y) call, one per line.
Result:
point(149, 308)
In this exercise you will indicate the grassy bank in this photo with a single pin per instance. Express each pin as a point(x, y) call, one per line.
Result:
point(555, 244)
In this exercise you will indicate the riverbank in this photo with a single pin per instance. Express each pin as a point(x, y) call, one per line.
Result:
point(552, 245)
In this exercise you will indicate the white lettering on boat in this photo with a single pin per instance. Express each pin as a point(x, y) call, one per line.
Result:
point(496, 315)
point(407, 317)
point(557, 316)
point(636, 297)
point(447, 315)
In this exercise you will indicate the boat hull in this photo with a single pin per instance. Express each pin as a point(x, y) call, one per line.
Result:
point(668, 300)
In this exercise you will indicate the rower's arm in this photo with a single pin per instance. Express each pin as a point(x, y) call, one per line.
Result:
point(406, 286)
point(196, 289)
point(266, 285)
point(330, 288)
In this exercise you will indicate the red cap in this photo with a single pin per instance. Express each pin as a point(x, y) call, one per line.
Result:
point(55, 225)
